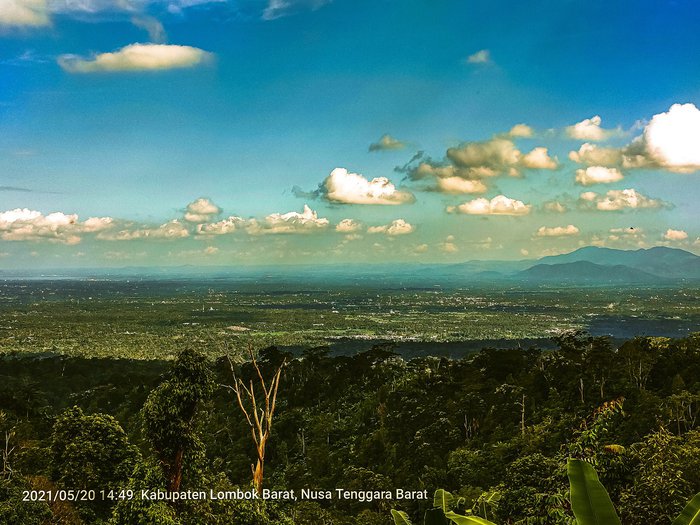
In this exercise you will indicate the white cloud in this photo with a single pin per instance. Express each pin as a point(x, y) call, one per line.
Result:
point(201, 210)
point(459, 185)
point(539, 158)
point(23, 13)
point(557, 231)
point(497, 154)
point(616, 200)
point(521, 130)
point(675, 235)
point(598, 175)
point(386, 143)
point(169, 231)
point(22, 224)
point(499, 205)
point(671, 140)
point(589, 129)
point(348, 226)
point(593, 155)
point(396, 227)
point(482, 56)
point(222, 227)
point(97, 224)
point(629, 235)
point(449, 245)
point(137, 57)
point(351, 188)
point(291, 222)
point(421, 248)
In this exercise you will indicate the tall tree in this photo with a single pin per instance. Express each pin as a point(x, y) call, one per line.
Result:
point(258, 413)
point(170, 411)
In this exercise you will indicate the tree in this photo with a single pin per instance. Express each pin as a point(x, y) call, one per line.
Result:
point(258, 414)
point(91, 452)
point(169, 416)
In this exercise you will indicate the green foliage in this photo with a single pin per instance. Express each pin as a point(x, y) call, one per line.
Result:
point(91, 452)
point(661, 485)
point(590, 501)
point(14, 510)
point(137, 511)
point(169, 417)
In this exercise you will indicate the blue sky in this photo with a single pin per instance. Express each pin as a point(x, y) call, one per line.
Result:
point(127, 112)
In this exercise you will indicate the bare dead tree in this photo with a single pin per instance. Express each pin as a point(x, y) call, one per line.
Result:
point(258, 415)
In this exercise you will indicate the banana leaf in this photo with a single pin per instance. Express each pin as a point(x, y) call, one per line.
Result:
point(589, 499)
point(400, 517)
point(467, 520)
point(690, 514)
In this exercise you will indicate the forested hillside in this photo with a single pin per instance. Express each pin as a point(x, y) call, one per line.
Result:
point(495, 428)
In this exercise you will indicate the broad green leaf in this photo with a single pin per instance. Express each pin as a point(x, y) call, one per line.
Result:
point(443, 500)
point(589, 499)
point(467, 520)
point(400, 517)
point(690, 514)
point(435, 517)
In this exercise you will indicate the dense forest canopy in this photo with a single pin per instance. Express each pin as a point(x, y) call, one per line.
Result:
point(495, 428)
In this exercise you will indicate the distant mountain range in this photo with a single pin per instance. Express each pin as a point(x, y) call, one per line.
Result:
point(586, 266)
point(593, 264)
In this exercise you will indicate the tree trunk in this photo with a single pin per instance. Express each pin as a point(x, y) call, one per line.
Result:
point(176, 472)
point(258, 476)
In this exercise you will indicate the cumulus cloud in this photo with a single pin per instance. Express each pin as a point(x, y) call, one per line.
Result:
point(557, 231)
point(448, 246)
point(201, 210)
point(351, 188)
point(499, 205)
point(497, 154)
point(23, 13)
point(169, 231)
point(348, 226)
point(386, 143)
point(598, 175)
point(222, 227)
point(396, 227)
point(482, 56)
point(539, 159)
point(521, 130)
point(459, 185)
point(23, 224)
point(590, 130)
point(675, 235)
point(137, 57)
point(671, 140)
point(627, 235)
point(291, 222)
point(478, 161)
point(593, 155)
point(617, 200)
